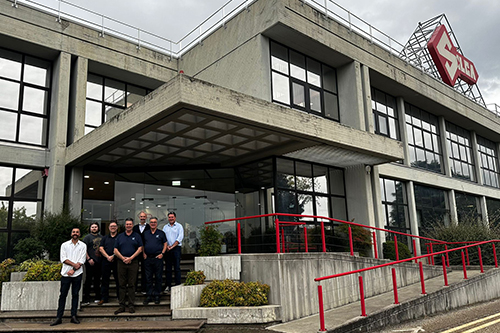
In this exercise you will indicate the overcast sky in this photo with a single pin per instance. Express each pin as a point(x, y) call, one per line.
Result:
point(475, 23)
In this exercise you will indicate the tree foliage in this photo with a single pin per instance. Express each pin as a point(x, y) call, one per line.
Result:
point(211, 241)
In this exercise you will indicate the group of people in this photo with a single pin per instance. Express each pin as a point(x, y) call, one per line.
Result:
point(121, 255)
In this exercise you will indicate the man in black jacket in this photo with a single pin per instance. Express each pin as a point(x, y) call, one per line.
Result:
point(140, 229)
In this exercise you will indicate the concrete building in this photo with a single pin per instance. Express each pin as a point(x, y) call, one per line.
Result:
point(278, 109)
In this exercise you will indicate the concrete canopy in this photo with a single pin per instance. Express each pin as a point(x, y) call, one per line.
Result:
point(191, 122)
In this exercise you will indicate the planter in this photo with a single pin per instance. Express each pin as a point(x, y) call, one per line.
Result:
point(17, 276)
point(32, 296)
point(231, 315)
point(219, 267)
point(185, 296)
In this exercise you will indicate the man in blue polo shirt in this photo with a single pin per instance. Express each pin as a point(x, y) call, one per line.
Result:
point(107, 248)
point(175, 234)
point(128, 247)
point(155, 246)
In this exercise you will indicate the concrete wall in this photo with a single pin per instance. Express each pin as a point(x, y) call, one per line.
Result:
point(219, 267)
point(359, 195)
point(291, 278)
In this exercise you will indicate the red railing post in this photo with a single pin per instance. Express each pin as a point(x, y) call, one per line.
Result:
point(362, 296)
point(447, 257)
point(463, 265)
point(321, 310)
point(480, 259)
point(239, 237)
point(375, 251)
point(277, 226)
point(323, 235)
point(305, 238)
point(396, 247)
point(445, 273)
point(351, 246)
point(495, 254)
point(467, 255)
point(422, 282)
point(414, 249)
point(395, 286)
point(432, 257)
point(283, 240)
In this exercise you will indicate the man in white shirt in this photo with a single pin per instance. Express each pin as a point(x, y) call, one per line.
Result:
point(175, 234)
point(73, 255)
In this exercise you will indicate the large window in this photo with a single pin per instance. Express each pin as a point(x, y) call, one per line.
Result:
point(493, 207)
point(24, 98)
point(460, 151)
point(423, 139)
point(106, 98)
point(303, 83)
point(489, 161)
point(395, 205)
point(467, 207)
point(21, 202)
point(385, 114)
point(432, 207)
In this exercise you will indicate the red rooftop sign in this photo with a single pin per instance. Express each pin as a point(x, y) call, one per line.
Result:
point(449, 62)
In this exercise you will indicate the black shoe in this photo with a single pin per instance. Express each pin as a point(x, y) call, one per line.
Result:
point(120, 310)
point(74, 320)
point(157, 300)
point(131, 309)
point(58, 321)
point(146, 302)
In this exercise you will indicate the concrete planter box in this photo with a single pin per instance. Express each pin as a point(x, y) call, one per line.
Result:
point(32, 296)
point(186, 296)
point(17, 276)
point(219, 267)
point(231, 315)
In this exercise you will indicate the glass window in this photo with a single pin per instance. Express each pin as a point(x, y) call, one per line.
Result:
point(394, 205)
point(384, 114)
point(462, 163)
point(313, 84)
point(488, 161)
point(32, 130)
point(10, 65)
point(432, 207)
point(9, 94)
point(8, 125)
point(35, 100)
point(467, 207)
point(493, 207)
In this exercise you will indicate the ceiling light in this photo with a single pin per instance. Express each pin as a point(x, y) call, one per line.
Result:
point(106, 183)
point(86, 176)
point(158, 189)
point(91, 188)
point(192, 186)
point(141, 203)
point(147, 207)
point(176, 183)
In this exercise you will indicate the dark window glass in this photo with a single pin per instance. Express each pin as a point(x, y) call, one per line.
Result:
point(467, 207)
point(385, 115)
point(488, 161)
point(493, 207)
point(395, 206)
point(431, 205)
point(461, 161)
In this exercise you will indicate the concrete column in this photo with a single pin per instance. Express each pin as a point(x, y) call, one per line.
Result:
point(351, 99)
point(377, 208)
point(400, 103)
point(412, 213)
point(452, 207)
point(359, 194)
point(75, 190)
point(477, 158)
point(483, 209)
point(77, 104)
point(58, 125)
point(444, 147)
point(367, 99)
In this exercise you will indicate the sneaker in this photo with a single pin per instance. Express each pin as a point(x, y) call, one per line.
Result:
point(97, 301)
point(144, 293)
point(120, 310)
point(85, 303)
point(131, 309)
point(101, 302)
point(167, 290)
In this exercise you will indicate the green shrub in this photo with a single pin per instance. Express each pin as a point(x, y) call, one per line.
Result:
point(195, 277)
point(231, 293)
point(390, 253)
point(28, 248)
point(361, 239)
point(211, 241)
point(6, 267)
point(43, 270)
point(25, 265)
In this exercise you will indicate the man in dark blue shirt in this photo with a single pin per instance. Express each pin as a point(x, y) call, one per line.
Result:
point(155, 246)
point(128, 247)
point(107, 248)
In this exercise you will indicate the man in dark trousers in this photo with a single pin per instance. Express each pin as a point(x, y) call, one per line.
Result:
point(175, 234)
point(128, 247)
point(155, 246)
point(93, 264)
point(107, 248)
point(140, 229)
point(73, 254)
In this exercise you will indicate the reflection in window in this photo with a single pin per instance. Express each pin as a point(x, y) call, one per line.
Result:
point(493, 207)
point(24, 98)
point(385, 114)
point(106, 98)
point(395, 206)
point(467, 207)
point(431, 205)
point(489, 161)
point(303, 83)
point(423, 139)
point(460, 151)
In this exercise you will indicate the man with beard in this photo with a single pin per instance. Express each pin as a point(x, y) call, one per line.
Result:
point(93, 264)
point(107, 248)
point(175, 234)
point(128, 247)
point(73, 254)
point(141, 228)
point(155, 246)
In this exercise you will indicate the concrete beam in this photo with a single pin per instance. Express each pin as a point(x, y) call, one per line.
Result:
point(23, 156)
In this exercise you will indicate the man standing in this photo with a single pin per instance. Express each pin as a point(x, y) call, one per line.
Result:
point(107, 248)
point(93, 264)
point(141, 228)
point(128, 247)
point(73, 253)
point(155, 246)
point(175, 234)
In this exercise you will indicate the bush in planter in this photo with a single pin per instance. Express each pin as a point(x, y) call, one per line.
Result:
point(361, 239)
point(43, 270)
point(6, 267)
point(211, 241)
point(28, 248)
point(195, 277)
point(390, 253)
point(231, 293)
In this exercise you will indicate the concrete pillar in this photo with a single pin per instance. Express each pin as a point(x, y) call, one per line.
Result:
point(444, 147)
point(412, 213)
point(58, 125)
point(75, 190)
point(483, 210)
point(477, 158)
point(359, 194)
point(377, 208)
point(452, 207)
point(77, 104)
point(367, 99)
point(400, 103)
point(351, 99)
